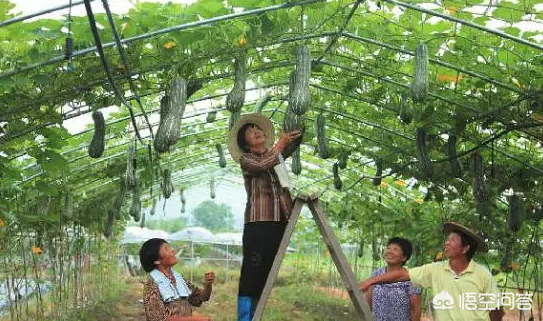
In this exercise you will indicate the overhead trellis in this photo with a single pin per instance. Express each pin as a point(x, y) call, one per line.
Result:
point(484, 88)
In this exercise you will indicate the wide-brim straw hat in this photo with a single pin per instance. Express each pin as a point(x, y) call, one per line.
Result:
point(455, 227)
point(258, 119)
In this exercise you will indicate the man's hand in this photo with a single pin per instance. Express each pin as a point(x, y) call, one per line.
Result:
point(209, 278)
point(364, 286)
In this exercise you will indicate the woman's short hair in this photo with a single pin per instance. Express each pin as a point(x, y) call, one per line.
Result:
point(405, 245)
point(150, 252)
point(242, 142)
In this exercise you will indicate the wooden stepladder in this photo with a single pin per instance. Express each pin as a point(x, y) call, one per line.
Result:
point(331, 241)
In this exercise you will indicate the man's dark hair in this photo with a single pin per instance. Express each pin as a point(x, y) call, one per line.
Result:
point(149, 253)
point(242, 142)
point(467, 240)
point(405, 245)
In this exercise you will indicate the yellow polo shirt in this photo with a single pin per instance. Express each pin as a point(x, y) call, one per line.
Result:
point(468, 296)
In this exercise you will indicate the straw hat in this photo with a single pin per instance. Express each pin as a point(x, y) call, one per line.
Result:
point(255, 118)
point(455, 227)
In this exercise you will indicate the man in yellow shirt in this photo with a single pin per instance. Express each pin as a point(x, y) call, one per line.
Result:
point(463, 289)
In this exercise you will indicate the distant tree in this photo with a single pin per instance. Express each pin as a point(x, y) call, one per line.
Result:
point(213, 216)
point(170, 226)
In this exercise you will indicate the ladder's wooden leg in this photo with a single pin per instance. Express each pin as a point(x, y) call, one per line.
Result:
point(340, 261)
point(299, 203)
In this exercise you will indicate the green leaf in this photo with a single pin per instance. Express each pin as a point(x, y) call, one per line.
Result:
point(41, 79)
point(53, 163)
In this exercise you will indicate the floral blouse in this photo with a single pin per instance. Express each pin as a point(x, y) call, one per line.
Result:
point(157, 310)
point(392, 301)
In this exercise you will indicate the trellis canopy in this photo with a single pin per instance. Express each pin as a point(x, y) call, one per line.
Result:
point(485, 90)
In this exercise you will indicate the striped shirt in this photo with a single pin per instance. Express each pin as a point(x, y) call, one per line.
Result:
point(266, 199)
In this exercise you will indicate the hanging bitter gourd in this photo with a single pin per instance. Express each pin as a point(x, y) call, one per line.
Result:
point(96, 147)
point(115, 211)
point(172, 107)
point(142, 223)
point(166, 184)
point(479, 188)
point(300, 98)
point(261, 103)
point(322, 141)
point(514, 220)
point(212, 188)
point(153, 207)
point(292, 122)
point(296, 165)
point(456, 166)
point(182, 196)
point(343, 159)
point(376, 181)
point(211, 116)
point(130, 176)
point(222, 159)
point(419, 86)
point(135, 208)
point(375, 253)
point(537, 214)
point(108, 229)
point(405, 111)
point(360, 250)
point(183, 200)
point(119, 200)
point(68, 209)
point(233, 118)
point(338, 184)
point(422, 152)
point(236, 97)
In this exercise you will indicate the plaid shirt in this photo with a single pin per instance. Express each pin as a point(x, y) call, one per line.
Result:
point(266, 199)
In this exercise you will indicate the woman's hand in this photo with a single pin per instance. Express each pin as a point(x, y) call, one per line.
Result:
point(286, 138)
point(209, 278)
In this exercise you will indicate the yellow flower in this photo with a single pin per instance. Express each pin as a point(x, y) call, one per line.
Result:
point(451, 10)
point(419, 200)
point(169, 45)
point(36, 250)
point(400, 182)
point(242, 40)
point(383, 184)
point(2, 223)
